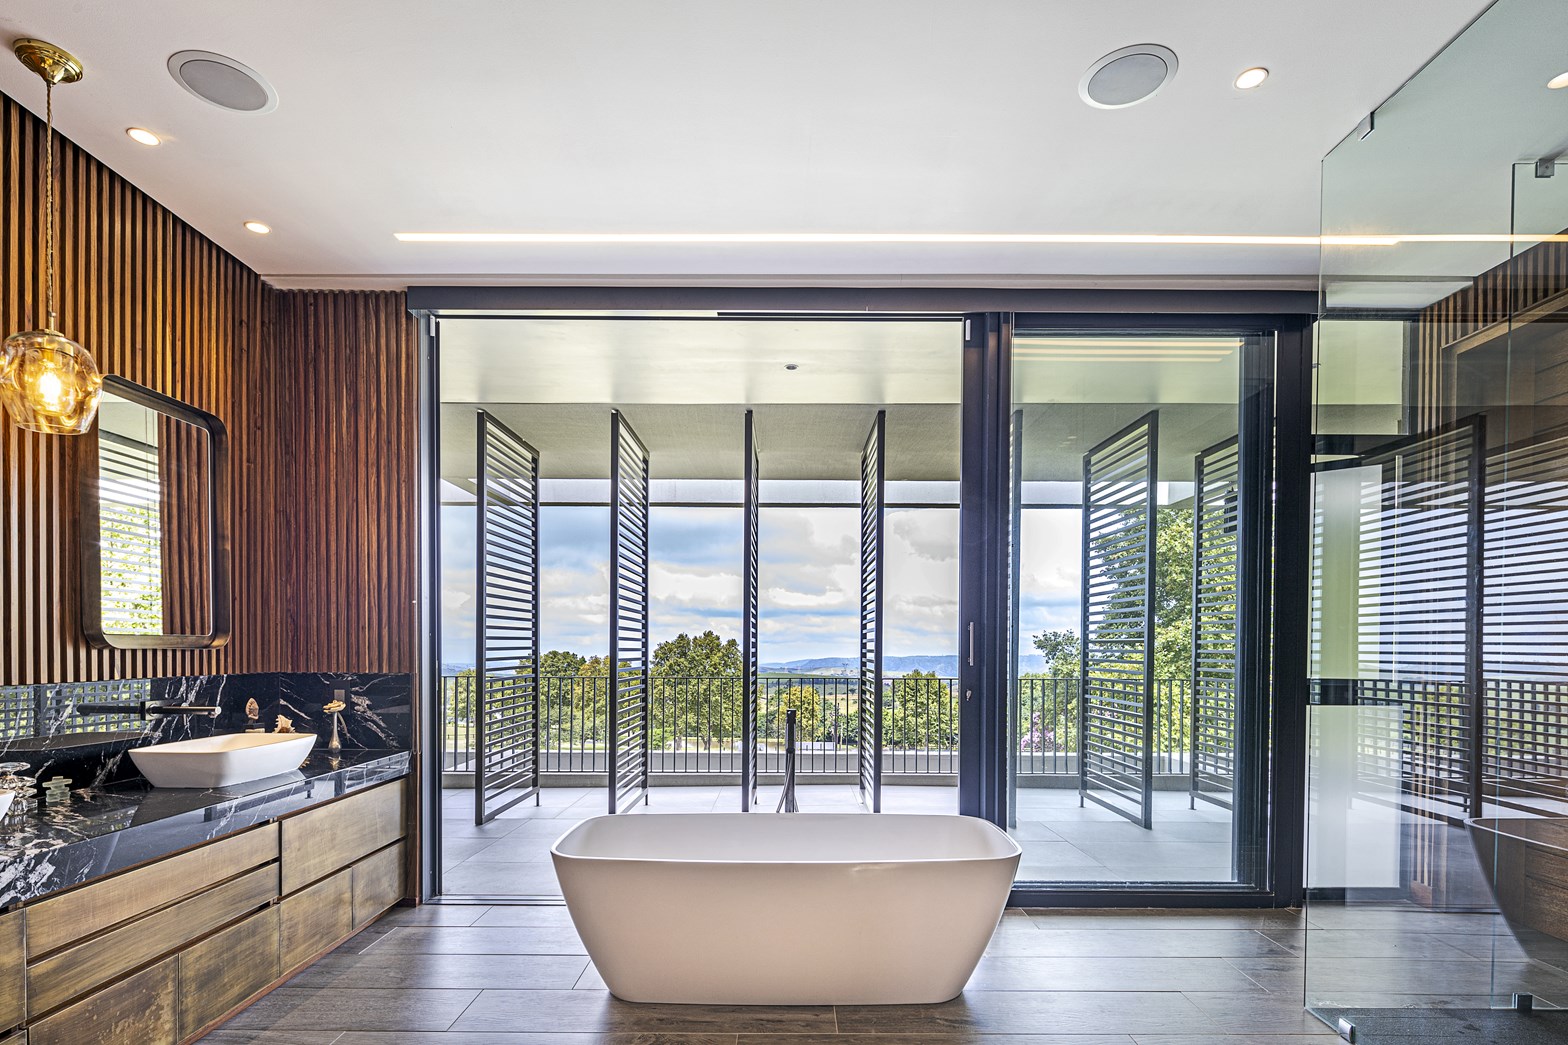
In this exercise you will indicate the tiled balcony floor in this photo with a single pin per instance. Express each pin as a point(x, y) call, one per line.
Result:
point(1061, 841)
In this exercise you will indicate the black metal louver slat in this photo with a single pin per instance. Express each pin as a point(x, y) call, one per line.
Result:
point(1421, 552)
point(1526, 608)
point(1116, 689)
point(1215, 615)
point(751, 687)
point(629, 716)
point(873, 471)
point(506, 741)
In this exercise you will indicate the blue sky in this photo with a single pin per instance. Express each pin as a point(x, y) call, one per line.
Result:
point(809, 578)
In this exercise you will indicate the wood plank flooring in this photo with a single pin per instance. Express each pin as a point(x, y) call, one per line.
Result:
point(517, 975)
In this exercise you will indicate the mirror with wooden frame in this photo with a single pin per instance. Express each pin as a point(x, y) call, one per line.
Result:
point(155, 542)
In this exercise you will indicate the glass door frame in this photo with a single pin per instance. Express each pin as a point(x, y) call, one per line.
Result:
point(984, 523)
point(1274, 644)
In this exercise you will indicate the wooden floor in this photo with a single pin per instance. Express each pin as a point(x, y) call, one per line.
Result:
point(518, 975)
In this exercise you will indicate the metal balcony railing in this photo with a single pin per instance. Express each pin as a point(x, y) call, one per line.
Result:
point(696, 727)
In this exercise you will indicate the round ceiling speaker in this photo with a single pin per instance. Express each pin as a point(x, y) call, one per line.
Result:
point(221, 81)
point(1127, 76)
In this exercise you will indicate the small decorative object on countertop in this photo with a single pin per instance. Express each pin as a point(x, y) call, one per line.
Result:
point(19, 787)
point(285, 725)
point(252, 716)
point(57, 791)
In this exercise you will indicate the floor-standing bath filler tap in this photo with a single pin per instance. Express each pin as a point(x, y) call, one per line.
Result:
point(787, 799)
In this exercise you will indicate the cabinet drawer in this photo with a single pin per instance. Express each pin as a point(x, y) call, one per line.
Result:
point(320, 841)
point(378, 884)
point(19, 1038)
point(223, 970)
point(76, 970)
point(64, 919)
point(314, 919)
point(12, 980)
point(138, 1009)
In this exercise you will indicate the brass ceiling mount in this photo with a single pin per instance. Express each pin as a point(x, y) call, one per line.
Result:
point(56, 65)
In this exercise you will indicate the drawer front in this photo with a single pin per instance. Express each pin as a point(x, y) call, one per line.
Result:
point(19, 1038)
point(138, 1009)
point(223, 970)
point(320, 841)
point(378, 884)
point(62, 920)
point(76, 970)
point(316, 918)
point(13, 1005)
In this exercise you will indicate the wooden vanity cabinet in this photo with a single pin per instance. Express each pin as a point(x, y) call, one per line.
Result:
point(13, 979)
point(158, 954)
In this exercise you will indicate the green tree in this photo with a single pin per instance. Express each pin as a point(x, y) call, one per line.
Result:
point(811, 713)
point(922, 714)
point(1173, 594)
point(698, 679)
point(703, 656)
point(1061, 651)
point(461, 695)
point(1051, 707)
point(560, 663)
point(587, 697)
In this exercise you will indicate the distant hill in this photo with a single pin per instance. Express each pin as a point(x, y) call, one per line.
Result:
point(945, 667)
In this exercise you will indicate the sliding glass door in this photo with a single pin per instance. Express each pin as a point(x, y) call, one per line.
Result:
point(1070, 618)
point(1138, 697)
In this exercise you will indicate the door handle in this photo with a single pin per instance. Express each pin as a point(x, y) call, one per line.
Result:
point(971, 644)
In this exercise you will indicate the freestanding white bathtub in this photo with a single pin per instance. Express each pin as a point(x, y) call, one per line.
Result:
point(785, 909)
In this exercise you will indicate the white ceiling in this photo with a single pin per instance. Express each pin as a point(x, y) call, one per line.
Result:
point(718, 116)
point(1453, 153)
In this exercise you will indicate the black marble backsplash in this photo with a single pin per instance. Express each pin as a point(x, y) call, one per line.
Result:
point(39, 724)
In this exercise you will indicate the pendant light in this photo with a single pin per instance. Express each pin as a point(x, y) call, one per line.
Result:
point(49, 383)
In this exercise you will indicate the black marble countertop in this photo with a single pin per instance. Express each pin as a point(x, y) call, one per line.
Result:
point(45, 849)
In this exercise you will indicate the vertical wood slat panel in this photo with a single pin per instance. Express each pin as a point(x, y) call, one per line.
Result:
point(318, 392)
point(1522, 282)
point(345, 407)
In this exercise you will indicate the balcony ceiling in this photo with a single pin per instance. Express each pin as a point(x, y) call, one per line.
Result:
point(685, 386)
point(710, 116)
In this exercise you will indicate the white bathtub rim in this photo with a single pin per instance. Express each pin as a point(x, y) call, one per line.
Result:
point(1016, 853)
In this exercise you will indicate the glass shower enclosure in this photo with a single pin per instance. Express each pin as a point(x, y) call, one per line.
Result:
point(1437, 848)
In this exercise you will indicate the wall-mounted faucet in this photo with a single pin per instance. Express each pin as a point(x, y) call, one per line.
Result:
point(149, 709)
point(146, 709)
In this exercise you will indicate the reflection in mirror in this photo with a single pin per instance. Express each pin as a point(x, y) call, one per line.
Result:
point(155, 569)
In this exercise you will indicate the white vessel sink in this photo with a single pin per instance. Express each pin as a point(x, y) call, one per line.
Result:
point(233, 758)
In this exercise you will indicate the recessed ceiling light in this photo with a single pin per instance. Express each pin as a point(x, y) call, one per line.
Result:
point(1558, 82)
point(1251, 78)
point(1127, 76)
point(259, 228)
point(146, 137)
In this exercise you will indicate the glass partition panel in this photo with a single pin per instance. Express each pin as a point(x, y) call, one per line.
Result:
point(1132, 737)
point(1438, 733)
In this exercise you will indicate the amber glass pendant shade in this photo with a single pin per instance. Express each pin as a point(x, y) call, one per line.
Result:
point(49, 383)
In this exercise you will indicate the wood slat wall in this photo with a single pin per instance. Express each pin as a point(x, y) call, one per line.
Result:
point(1536, 276)
point(317, 390)
point(343, 399)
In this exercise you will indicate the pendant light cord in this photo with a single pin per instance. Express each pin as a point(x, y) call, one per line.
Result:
point(49, 200)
